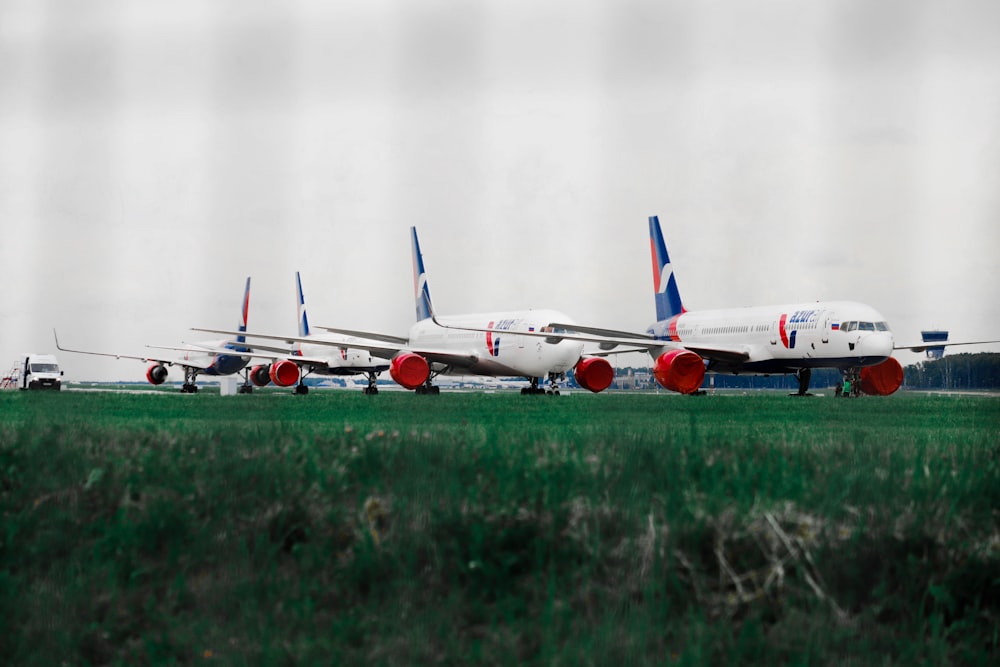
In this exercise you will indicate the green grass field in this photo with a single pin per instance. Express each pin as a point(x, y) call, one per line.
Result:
point(473, 528)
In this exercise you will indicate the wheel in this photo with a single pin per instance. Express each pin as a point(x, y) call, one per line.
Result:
point(301, 389)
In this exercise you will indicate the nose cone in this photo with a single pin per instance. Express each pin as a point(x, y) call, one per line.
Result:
point(876, 347)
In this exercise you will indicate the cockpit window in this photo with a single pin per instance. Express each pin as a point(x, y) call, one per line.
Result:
point(866, 326)
point(881, 326)
point(850, 326)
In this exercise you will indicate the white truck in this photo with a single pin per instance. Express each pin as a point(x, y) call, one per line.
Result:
point(39, 371)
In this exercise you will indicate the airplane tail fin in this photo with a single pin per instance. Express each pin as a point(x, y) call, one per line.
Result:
point(300, 309)
point(421, 291)
point(244, 309)
point(668, 298)
point(301, 306)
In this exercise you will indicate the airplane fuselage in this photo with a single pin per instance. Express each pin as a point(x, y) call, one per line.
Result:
point(340, 361)
point(499, 351)
point(220, 364)
point(784, 338)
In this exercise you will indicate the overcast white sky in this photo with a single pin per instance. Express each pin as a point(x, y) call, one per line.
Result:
point(154, 154)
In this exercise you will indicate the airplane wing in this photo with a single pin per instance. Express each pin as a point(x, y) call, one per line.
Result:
point(447, 357)
point(923, 347)
point(589, 335)
point(194, 347)
point(386, 349)
point(608, 339)
point(733, 355)
point(276, 353)
point(153, 359)
point(604, 333)
point(607, 353)
point(298, 359)
point(370, 335)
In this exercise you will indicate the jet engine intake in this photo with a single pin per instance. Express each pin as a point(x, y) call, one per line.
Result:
point(594, 374)
point(284, 373)
point(882, 379)
point(409, 370)
point(260, 375)
point(156, 374)
point(679, 370)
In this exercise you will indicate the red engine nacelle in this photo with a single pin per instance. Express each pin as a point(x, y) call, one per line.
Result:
point(284, 373)
point(260, 376)
point(594, 374)
point(882, 379)
point(679, 370)
point(156, 374)
point(409, 370)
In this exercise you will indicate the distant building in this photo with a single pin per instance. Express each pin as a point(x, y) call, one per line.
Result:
point(935, 336)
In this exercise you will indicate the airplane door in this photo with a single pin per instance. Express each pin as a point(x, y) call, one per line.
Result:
point(774, 332)
point(826, 328)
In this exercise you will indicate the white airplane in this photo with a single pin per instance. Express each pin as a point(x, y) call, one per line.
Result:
point(790, 338)
point(213, 358)
point(310, 354)
point(488, 344)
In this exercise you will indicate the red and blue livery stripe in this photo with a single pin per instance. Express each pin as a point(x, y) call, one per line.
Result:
point(492, 343)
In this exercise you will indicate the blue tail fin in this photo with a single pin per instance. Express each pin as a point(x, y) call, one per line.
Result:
point(421, 292)
point(668, 298)
point(301, 307)
point(243, 318)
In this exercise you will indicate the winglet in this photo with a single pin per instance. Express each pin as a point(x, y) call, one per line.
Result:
point(666, 294)
point(421, 291)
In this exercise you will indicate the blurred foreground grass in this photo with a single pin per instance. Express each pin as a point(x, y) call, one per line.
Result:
point(498, 529)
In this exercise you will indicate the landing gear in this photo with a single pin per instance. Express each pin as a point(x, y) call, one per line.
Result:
point(247, 386)
point(428, 388)
point(532, 387)
point(189, 387)
point(372, 387)
point(554, 379)
point(804, 375)
point(300, 388)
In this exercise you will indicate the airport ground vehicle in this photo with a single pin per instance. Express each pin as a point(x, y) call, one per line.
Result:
point(36, 371)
